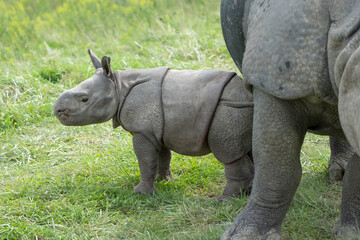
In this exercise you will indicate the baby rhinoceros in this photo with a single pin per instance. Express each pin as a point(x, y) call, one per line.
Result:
point(189, 112)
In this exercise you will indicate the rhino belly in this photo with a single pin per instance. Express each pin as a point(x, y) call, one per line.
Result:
point(286, 49)
point(189, 101)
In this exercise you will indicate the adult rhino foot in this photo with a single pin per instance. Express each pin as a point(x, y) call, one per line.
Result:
point(145, 188)
point(236, 232)
point(346, 231)
point(244, 228)
point(336, 172)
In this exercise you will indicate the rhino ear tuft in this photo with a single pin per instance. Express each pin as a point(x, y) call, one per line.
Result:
point(105, 62)
point(95, 60)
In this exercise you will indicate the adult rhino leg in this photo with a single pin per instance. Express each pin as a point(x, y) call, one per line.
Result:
point(164, 165)
point(341, 153)
point(278, 134)
point(148, 158)
point(239, 176)
point(348, 226)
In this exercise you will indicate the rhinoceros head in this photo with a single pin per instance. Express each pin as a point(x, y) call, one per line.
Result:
point(92, 101)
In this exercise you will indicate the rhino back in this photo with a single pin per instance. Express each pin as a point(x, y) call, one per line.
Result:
point(189, 102)
point(285, 51)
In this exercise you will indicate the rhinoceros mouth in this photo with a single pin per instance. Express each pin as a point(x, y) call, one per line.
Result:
point(71, 119)
point(68, 119)
point(64, 116)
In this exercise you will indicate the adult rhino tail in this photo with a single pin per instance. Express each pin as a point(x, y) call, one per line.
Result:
point(232, 14)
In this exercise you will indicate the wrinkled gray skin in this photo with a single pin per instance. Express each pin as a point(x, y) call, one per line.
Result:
point(153, 124)
point(302, 61)
point(96, 100)
point(341, 153)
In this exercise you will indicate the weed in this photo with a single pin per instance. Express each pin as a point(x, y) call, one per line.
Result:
point(51, 75)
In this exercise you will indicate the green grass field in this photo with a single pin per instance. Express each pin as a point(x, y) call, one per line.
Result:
point(60, 182)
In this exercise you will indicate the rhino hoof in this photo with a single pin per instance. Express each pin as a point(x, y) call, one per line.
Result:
point(227, 194)
point(250, 233)
point(336, 172)
point(145, 188)
point(224, 197)
point(343, 231)
point(165, 177)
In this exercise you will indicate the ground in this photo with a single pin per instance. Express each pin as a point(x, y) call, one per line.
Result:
point(60, 182)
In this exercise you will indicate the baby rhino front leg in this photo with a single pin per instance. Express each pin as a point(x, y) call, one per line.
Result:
point(148, 158)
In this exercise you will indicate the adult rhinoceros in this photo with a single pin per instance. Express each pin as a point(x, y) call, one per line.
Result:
point(302, 61)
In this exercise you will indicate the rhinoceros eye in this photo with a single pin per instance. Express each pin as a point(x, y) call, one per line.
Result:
point(84, 99)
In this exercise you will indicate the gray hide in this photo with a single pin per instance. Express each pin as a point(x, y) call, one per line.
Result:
point(301, 60)
point(190, 112)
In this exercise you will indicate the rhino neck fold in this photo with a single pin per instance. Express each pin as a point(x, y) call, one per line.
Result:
point(127, 79)
point(116, 80)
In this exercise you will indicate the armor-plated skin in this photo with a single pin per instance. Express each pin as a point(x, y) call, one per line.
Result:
point(301, 59)
point(191, 112)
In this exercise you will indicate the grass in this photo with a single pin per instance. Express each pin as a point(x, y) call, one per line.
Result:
point(60, 182)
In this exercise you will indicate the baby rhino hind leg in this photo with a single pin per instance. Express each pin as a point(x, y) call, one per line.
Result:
point(341, 153)
point(239, 176)
point(164, 172)
point(230, 139)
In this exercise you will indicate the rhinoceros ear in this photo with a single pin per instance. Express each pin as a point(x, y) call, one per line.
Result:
point(105, 62)
point(95, 60)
